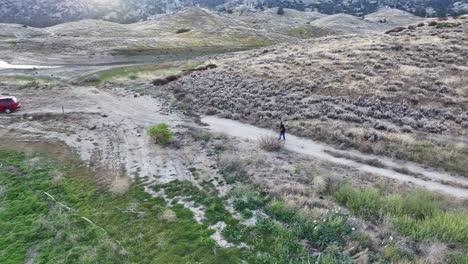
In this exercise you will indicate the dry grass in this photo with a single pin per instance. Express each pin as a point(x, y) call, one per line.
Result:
point(434, 253)
point(270, 143)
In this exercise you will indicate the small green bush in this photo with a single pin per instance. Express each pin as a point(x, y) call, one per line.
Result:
point(160, 133)
point(183, 30)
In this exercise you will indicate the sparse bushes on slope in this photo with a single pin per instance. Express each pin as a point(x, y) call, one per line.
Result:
point(160, 133)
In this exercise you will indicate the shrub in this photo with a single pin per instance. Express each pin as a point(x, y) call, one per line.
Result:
point(280, 11)
point(269, 143)
point(183, 30)
point(160, 133)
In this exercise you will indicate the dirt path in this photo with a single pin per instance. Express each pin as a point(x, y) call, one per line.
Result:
point(105, 127)
point(432, 180)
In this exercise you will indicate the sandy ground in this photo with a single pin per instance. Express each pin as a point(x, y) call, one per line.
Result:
point(105, 127)
point(432, 180)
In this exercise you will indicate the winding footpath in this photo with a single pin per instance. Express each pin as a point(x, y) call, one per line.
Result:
point(431, 180)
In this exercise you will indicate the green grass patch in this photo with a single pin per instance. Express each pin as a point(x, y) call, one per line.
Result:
point(447, 25)
point(137, 72)
point(278, 237)
point(180, 53)
point(417, 214)
point(306, 32)
point(13, 42)
point(128, 227)
point(25, 81)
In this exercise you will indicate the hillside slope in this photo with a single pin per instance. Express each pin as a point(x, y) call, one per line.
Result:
point(402, 94)
point(190, 29)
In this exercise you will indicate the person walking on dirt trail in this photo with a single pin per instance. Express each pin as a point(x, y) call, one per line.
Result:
point(282, 132)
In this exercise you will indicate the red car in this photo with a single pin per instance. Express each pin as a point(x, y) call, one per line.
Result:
point(9, 104)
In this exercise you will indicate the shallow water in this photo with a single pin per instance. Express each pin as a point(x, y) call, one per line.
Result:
point(6, 65)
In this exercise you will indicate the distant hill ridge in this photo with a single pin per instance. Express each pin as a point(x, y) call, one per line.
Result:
point(51, 12)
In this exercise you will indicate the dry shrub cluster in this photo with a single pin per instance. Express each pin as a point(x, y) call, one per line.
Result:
point(270, 143)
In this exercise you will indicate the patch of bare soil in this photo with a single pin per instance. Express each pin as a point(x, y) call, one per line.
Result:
point(106, 128)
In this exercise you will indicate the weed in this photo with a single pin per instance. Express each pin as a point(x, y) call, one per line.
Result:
point(160, 133)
